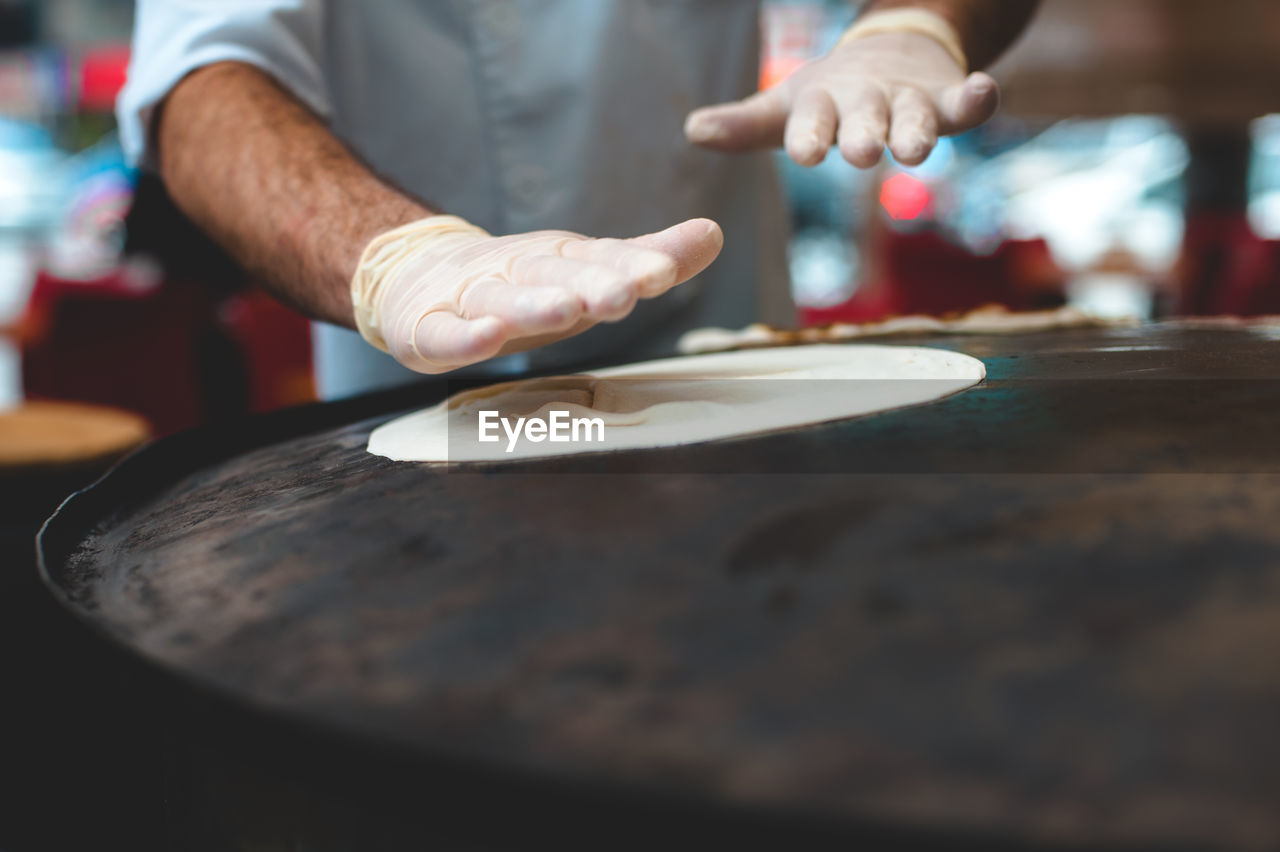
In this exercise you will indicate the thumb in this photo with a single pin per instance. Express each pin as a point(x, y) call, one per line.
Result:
point(967, 104)
point(746, 125)
point(692, 245)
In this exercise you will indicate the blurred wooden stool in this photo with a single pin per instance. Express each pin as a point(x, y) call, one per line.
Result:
point(49, 449)
point(46, 433)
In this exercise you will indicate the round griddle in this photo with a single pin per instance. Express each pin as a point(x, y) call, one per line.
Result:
point(1046, 610)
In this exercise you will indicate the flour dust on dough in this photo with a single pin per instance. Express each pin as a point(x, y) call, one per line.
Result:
point(681, 401)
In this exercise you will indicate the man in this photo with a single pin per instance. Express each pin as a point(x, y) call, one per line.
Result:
point(319, 141)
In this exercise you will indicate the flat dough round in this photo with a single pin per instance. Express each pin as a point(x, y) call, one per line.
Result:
point(679, 401)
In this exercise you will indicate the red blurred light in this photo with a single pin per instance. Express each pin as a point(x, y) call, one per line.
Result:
point(905, 197)
point(102, 75)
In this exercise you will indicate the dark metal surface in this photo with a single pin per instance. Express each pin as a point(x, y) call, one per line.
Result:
point(51, 751)
point(1047, 609)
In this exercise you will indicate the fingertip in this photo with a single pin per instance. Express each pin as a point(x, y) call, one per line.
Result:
point(701, 241)
point(699, 229)
point(811, 127)
point(985, 93)
point(472, 339)
point(550, 308)
point(690, 246)
point(703, 126)
point(486, 331)
point(746, 125)
point(863, 159)
point(714, 233)
point(617, 303)
point(913, 151)
point(806, 152)
point(442, 342)
point(862, 152)
point(976, 101)
point(980, 82)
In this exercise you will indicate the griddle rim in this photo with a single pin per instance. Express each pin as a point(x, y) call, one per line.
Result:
point(590, 808)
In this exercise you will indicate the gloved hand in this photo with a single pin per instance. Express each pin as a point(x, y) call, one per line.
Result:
point(896, 78)
point(440, 293)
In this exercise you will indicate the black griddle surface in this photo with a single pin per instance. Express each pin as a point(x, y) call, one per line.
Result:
point(1045, 609)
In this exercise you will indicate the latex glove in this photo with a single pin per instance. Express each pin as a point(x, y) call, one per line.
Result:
point(900, 89)
point(440, 293)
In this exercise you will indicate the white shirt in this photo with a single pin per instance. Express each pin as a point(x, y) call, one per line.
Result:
point(517, 115)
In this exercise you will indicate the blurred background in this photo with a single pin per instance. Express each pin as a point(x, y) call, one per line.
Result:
point(1134, 171)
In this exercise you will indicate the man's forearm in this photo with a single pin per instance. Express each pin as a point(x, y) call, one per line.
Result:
point(273, 186)
point(986, 27)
